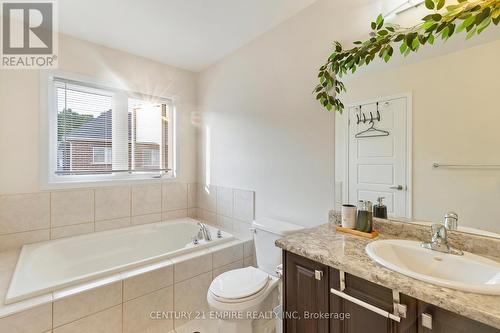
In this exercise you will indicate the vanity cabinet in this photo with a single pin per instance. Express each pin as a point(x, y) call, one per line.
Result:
point(305, 291)
point(313, 288)
point(433, 319)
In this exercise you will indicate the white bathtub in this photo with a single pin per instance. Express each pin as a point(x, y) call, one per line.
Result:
point(51, 265)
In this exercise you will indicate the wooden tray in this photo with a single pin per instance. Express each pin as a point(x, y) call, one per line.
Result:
point(372, 234)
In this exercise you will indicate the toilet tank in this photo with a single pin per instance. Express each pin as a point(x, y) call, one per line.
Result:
point(267, 231)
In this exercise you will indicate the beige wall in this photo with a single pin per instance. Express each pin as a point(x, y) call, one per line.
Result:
point(266, 131)
point(20, 106)
point(456, 119)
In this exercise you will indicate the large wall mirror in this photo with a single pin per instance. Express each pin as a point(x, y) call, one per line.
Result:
point(425, 136)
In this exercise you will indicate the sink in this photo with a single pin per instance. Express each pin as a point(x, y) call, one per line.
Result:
point(469, 272)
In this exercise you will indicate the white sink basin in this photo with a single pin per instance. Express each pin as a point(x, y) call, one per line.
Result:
point(467, 273)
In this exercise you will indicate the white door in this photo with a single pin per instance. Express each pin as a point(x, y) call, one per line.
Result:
point(377, 166)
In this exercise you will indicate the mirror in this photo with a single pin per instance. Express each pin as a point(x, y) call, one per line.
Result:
point(442, 150)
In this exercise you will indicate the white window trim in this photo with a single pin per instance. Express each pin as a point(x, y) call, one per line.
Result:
point(48, 138)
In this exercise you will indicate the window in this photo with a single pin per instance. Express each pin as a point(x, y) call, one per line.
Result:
point(103, 133)
point(101, 155)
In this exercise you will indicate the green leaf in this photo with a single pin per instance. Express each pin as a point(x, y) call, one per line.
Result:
point(374, 25)
point(471, 33)
point(429, 4)
point(403, 48)
point(430, 39)
point(437, 17)
point(399, 38)
point(483, 25)
point(414, 44)
point(380, 19)
point(466, 23)
point(440, 4)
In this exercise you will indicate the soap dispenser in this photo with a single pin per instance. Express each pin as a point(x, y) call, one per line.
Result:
point(380, 210)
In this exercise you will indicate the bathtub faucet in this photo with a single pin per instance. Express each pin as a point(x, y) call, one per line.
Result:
point(204, 230)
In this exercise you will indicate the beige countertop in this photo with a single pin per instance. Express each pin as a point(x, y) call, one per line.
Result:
point(347, 253)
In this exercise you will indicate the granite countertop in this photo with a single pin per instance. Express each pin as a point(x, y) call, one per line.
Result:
point(347, 253)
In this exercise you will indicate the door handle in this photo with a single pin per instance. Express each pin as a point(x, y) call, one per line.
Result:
point(318, 275)
point(397, 187)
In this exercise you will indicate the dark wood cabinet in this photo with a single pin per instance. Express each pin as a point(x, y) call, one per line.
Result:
point(432, 319)
point(305, 292)
point(370, 307)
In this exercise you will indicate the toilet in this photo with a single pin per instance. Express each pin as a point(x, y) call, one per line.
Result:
point(245, 298)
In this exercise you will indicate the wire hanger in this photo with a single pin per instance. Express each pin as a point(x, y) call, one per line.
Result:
point(372, 132)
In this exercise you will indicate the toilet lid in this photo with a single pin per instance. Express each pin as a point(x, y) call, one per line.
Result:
point(239, 283)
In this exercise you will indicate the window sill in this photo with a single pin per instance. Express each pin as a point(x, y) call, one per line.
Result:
point(91, 183)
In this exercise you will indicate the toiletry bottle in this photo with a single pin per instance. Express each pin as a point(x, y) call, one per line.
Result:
point(362, 219)
point(380, 210)
point(369, 216)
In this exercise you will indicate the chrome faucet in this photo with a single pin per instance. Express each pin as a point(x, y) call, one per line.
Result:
point(439, 241)
point(205, 232)
point(451, 221)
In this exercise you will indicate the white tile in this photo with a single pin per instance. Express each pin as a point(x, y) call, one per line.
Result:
point(225, 201)
point(249, 261)
point(24, 212)
point(72, 230)
point(207, 197)
point(112, 224)
point(81, 305)
point(225, 223)
point(144, 219)
point(248, 248)
point(107, 321)
point(191, 295)
point(174, 196)
point(193, 213)
point(235, 265)
point(17, 240)
point(192, 195)
point(174, 214)
point(72, 207)
point(145, 283)
point(207, 216)
point(36, 320)
point(242, 230)
point(137, 312)
point(227, 255)
point(112, 202)
point(146, 199)
point(244, 205)
point(188, 266)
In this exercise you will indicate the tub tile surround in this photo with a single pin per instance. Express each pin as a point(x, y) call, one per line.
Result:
point(35, 217)
point(123, 302)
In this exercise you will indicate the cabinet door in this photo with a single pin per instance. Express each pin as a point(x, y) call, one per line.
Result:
point(432, 319)
point(306, 293)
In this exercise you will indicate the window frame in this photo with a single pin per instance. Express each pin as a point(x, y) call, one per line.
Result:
point(48, 136)
point(107, 153)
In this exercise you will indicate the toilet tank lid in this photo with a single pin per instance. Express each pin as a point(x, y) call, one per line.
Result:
point(274, 226)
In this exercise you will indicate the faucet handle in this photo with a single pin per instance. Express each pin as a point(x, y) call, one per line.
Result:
point(438, 232)
point(451, 221)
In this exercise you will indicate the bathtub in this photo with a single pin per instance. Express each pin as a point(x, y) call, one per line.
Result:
point(52, 265)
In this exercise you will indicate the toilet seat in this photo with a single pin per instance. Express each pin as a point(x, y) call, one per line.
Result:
point(239, 285)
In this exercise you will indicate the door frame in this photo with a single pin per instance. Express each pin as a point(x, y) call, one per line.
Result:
point(409, 147)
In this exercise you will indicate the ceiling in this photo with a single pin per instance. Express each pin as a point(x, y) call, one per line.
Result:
point(190, 34)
